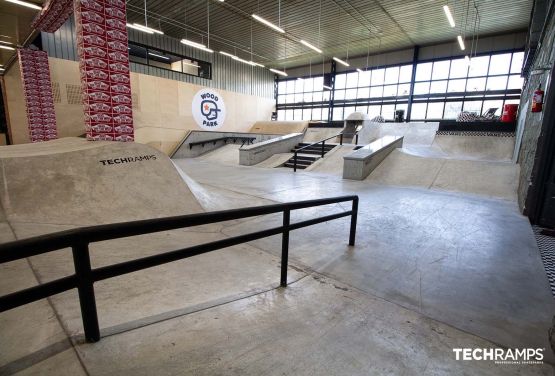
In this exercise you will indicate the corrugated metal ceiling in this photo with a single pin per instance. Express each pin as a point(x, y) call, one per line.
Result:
point(346, 26)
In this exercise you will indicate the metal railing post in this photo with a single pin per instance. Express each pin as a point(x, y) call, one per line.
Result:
point(285, 247)
point(295, 162)
point(356, 139)
point(341, 139)
point(323, 144)
point(82, 262)
point(353, 232)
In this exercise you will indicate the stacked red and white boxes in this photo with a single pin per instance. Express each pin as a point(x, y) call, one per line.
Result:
point(104, 65)
point(37, 88)
point(53, 15)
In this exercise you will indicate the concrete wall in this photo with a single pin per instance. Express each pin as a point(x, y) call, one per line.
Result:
point(530, 124)
point(161, 107)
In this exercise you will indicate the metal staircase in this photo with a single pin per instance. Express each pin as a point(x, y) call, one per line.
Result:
point(307, 154)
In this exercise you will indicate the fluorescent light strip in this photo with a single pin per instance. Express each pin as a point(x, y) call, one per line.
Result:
point(227, 54)
point(7, 48)
point(196, 45)
point(341, 61)
point(311, 46)
point(461, 42)
point(1, 41)
point(326, 87)
point(160, 56)
point(268, 23)
point(281, 73)
point(140, 28)
point(148, 28)
point(25, 4)
point(360, 70)
point(250, 62)
point(449, 15)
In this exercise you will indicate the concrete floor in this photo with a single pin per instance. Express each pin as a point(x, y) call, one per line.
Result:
point(431, 271)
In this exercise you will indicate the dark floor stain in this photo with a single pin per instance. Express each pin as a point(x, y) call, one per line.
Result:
point(341, 288)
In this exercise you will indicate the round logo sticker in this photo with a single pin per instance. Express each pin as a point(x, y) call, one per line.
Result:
point(208, 109)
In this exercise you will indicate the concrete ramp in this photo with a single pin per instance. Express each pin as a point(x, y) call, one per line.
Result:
point(320, 133)
point(279, 127)
point(492, 179)
point(414, 133)
point(78, 182)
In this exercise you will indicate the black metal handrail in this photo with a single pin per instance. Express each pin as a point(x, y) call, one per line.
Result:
point(340, 135)
point(79, 239)
point(243, 139)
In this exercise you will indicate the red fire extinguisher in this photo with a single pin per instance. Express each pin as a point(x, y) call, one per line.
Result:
point(537, 100)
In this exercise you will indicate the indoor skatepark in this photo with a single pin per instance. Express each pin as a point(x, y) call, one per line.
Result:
point(168, 207)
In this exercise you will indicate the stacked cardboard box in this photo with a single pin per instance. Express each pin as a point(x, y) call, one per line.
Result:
point(53, 15)
point(37, 88)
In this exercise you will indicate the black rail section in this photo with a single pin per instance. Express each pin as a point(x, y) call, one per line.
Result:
point(84, 278)
point(323, 142)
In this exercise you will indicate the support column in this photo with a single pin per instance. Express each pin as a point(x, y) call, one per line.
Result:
point(104, 65)
point(412, 79)
point(332, 91)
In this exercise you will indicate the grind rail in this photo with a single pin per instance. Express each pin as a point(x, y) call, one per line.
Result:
point(79, 239)
point(323, 142)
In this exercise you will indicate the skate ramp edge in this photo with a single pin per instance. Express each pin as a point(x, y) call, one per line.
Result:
point(279, 127)
point(79, 182)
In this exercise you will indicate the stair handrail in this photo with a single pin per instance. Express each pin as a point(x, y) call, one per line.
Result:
point(340, 135)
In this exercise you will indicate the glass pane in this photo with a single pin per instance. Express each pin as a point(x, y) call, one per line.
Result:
point(318, 82)
point(351, 94)
point(402, 106)
point(326, 95)
point(308, 84)
point(404, 89)
point(441, 70)
point(497, 83)
point(476, 84)
point(418, 111)
point(339, 94)
point(290, 98)
point(316, 114)
point(281, 98)
point(390, 90)
point(388, 111)
point(500, 64)
point(423, 71)
point(473, 106)
point(374, 111)
point(281, 115)
point(459, 68)
point(518, 60)
point(337, 113)
point(362, 109)
point(421, 88)
point(435, 110)
point(515, 82)
point(299, 97)
point(438, 87)
point(452, 110)
point(376, 92)
point(307, 97)
point(478, 66)
point(378, 76)
point(299, 86)
point(363, 92)
point(405, 73)
point(288, 115)
point(290, 86)
point(282, 85)
point(493, 104)
point(364, 78)
point(325, 113)
point(456, 86)
point(392, 75)
point(348, 111)
point(340, 81)
point(317, 96)
point(307, 114)
point(298, 114)
point(352, 79)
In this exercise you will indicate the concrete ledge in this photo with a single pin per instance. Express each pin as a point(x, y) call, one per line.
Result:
point(254, 154)
point(360, 163)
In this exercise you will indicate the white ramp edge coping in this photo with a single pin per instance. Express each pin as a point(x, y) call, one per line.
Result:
point(360, 163)
point(250, 155)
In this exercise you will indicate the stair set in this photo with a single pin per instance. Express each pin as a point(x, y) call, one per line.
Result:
point(307, 156)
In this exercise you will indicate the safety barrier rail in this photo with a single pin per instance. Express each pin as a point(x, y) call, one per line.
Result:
point(79, 239)
point(323, 142)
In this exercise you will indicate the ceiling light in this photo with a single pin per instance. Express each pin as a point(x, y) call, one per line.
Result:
point(449, 15)
point(268, 23)
point(160, 56)
point(25, 4)
point(299, 78)
point(140, 28)
point(311, 46)
point(148, 28)
point(360, 70)
point(258, 65)
point(326, 87)
point(1, 41)
point(341, 61)
point(7, 48)
point(281, 73)
point(467, 60)
point(196, 45)
point(461, 42)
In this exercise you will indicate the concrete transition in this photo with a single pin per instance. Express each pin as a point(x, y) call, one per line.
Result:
point(431, 271)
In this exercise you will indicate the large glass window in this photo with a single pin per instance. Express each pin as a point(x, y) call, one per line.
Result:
point(441, 89)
